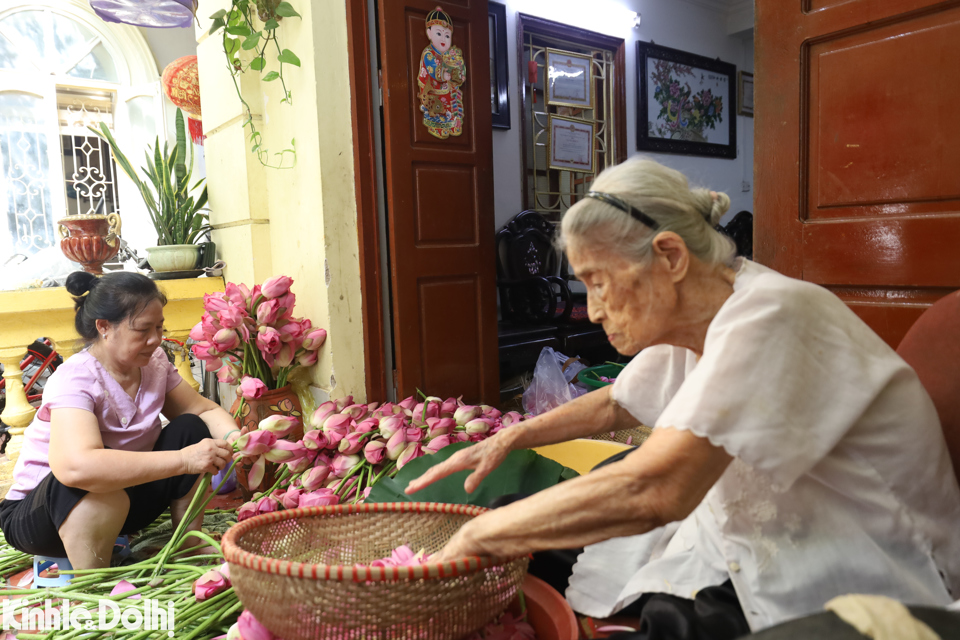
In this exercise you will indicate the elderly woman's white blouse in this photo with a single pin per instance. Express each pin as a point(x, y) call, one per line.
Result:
point(841, 481)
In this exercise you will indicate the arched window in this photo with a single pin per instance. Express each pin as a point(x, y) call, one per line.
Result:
point(63, 69)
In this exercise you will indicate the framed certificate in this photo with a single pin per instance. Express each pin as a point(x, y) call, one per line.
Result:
point(570, 144)
point(569, 79)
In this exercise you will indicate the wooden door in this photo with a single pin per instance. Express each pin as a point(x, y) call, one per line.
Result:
point(857, 167)
point(440, 211)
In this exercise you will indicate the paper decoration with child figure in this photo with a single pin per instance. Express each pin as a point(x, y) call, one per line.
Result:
point(442, 73)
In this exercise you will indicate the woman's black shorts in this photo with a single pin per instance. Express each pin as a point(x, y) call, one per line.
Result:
point(32, 525)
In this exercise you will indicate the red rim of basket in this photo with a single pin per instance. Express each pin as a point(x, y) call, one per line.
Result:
point(431, 570)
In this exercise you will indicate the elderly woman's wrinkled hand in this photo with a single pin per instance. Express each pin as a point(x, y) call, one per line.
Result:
point(207, 456)
point(484, 457)
point(463, 544)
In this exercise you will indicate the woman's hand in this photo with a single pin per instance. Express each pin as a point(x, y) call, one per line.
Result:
point(207, 456)
point(463, 544)
point(484, 457)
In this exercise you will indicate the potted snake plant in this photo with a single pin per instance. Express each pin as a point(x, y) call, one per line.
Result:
point(179, 217)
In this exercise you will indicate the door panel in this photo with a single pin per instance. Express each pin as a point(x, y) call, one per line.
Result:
point(440, 211)
point(870, 198)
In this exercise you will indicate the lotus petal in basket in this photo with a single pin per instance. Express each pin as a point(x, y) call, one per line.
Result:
point(296, 572)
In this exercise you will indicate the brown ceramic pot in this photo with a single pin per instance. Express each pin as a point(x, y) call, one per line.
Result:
point(90, 240)
point(282, 401)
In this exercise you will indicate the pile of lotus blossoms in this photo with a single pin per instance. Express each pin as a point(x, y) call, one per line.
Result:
point(346, 448)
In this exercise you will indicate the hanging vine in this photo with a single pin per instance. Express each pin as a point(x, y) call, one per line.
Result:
point(240, 33)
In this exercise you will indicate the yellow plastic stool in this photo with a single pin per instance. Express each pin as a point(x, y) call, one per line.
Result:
point(581, 455)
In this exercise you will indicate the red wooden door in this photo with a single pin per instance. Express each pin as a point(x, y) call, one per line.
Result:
point(440, 211)
point(857, 167)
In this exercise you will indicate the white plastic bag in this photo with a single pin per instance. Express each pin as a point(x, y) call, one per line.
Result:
point(551, 385)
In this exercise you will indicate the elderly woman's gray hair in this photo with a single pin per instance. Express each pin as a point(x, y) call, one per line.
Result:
point(661, 193)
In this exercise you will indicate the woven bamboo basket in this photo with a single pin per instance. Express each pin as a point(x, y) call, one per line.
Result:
point(297, 572)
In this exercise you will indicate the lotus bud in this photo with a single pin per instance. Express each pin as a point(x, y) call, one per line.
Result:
point(291, 498)
point(197, 334)
point(307, 358)
point(280, 426)
point(413, 434)
point(490, 412)
point(315, 440)
point(314, 339)
point(252, 388)
point(268, 311)
point(414, 450)
point(299, 465)
point(408, 403)
point(343, 464)
point(343, 403)
point(375, 451)
point(338, 422)
point(267, 504)
point(351, 444)
point(323, 412)
point(437, 443)
point(448, 408)
point(247, 510)
point(209, 584)
point(229, 374)
point(251, 629)
point(510, 418)
point(459, 436)
point(465, 414)
point(276, 286)
point(396, 444)
point(479, 426)
point(254, 443)
point(440, 427)
point(389, 426)
point(319, 498)
point(314, 479)
point(366, 426)
point(285, 451)
point(356, 411)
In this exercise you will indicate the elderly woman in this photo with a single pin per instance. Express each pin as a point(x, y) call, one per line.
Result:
point(95, 462)
point(794, 454)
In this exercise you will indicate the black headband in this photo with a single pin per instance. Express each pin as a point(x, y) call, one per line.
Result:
point(626, 207)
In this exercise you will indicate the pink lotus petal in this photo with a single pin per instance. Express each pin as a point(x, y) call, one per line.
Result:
point(122, 587)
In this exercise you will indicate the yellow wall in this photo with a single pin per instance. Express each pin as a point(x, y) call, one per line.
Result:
point(300, 222)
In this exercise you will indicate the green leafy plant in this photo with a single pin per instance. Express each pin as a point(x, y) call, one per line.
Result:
point(177, 216)
point(239, 29)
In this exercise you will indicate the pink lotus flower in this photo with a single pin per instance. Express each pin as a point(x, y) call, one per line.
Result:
point(324, 411)
point(280, 426)
point(197, 334)
point(122, 587)
point(247, 510)
point(356, 411)
point(343, 464)
point(414, 450)
point(300, 464)
point(229, 374)
point(255, 443)
point(389, 426)
point(314, 339)
point(314, 479)
point(214, 302)
point(276, 286)
point(413, 434)
point(315, 440)
point(366, 426)
point(490, 412)
point(465, 414)
point(448, 408)
point(319, 498)
point(285, 355)
point(285, 451)
point(225, 340)
point(408, 403)
point(202, 351)
point(343, 403)
point(252, 388)
point(437, 443)
point(351, 444)
point(509, 418)
point(268, 312)
point(338, 422)
point(251, 629)
point(375, 451)
point(396, 444)
point(267, 504)
point(287, 303)
point(479, 426)
point(268, 340)
point(307, 358)
point(238, 294)
point(459, 436)
point(209, 584)
point(292, 331)
point(440, 427)
point(291, 498)
point(231, 317)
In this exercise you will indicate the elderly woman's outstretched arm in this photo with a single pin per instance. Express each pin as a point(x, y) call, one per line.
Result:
point(663, 481)
point(586, 416)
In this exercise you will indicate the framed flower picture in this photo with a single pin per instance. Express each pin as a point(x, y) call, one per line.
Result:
point(686, 103)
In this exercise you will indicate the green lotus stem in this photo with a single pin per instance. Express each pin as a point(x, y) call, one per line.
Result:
point(389, 467)
point(204, 538)
point(188, 517)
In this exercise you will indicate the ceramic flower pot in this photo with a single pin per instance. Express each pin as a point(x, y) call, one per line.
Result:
point(90, 239)
point(174, 257)
point(282, 401)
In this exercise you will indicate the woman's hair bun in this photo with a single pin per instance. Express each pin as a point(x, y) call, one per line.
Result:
point(721, 204)
point(80, 282)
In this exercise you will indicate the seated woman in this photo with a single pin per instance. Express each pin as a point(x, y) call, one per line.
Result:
point(795, 457)
point(95, 462)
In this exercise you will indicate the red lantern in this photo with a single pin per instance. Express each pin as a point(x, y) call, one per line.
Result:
point(181, 83)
